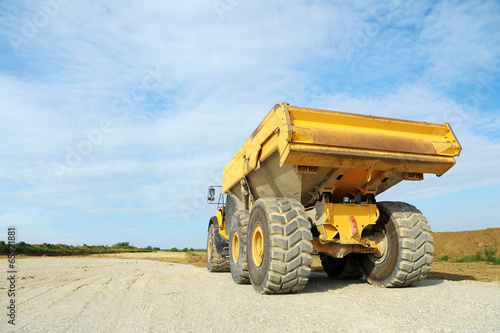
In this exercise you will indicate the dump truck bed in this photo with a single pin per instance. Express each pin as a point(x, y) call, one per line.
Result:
point(299, 149)
point(306, 182)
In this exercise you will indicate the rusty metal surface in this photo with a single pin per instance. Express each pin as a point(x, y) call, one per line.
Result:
point(339, 250)
point(336, 129)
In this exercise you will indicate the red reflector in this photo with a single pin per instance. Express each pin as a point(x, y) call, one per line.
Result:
point(354, 229)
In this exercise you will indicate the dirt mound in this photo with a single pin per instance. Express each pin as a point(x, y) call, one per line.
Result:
point(465, 243)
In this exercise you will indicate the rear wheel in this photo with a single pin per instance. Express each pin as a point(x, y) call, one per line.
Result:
point(238, 247)
point(351, 269)
point(341, 268)
point(279, 246)
point(216, 260)
point(405, 248)
point(332, 266)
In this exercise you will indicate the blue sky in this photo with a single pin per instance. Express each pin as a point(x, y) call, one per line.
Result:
point(115, 116)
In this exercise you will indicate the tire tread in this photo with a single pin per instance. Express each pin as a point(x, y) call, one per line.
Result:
point(416, 248)
point(290, 246)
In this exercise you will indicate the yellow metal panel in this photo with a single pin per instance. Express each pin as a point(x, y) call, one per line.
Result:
point(340, 250)
point(348, 220)
point(352, 158)
point(330, 128)
point(269, 146)
point(349, 141)
point(271, 134)
point(221, 221)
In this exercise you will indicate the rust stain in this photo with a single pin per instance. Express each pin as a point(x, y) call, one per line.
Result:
point(373, 141)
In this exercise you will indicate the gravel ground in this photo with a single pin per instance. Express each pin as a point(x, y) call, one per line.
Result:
point(115, 295)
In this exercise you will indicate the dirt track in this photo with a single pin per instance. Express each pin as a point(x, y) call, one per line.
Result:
point(120, 293)
point(475, 271)
point(68, 294)
point(454, 244)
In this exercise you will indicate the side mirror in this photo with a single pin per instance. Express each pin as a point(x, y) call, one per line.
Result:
point(211, 194)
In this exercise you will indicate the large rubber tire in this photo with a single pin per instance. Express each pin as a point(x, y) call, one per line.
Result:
point(341, 268)
point(279, 246)
point(405, 251)
point(216, 260)
point(238, 247)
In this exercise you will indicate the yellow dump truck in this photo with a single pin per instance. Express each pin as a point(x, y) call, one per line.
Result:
point(305, 183)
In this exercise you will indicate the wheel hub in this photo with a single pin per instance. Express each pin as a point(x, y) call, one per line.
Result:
point(210, 248)
point(236, 246)
point(380, 237)
point(257, 245)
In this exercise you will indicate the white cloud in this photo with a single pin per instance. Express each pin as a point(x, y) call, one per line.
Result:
point(450, 36)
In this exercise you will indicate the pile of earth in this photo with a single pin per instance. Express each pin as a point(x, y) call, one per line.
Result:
point(465, 243)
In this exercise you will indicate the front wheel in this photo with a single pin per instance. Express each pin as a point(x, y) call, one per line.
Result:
point(405, 248)
point(279, 246)
point(216, 259)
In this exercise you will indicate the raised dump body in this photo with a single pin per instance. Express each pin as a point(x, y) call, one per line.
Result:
point(297, 149)
point(316, 174)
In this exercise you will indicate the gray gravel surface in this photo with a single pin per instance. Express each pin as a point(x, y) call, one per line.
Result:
point(110, 295)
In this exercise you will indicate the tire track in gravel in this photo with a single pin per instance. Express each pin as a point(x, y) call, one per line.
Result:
point(53, 289)
point(121, 293)
point(68, 292)
point(87, 303)
point(134, 301)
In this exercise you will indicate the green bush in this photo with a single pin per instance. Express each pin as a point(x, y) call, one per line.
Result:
point(122, 244)
point(62, 249)
point(22, 247)
point(444, 258)
point(489, 256)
